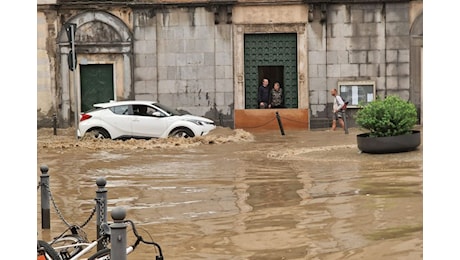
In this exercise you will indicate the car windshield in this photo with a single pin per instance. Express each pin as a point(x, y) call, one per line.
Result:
point(169, 110)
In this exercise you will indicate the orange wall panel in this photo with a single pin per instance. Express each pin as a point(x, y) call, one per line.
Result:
point(265, 119)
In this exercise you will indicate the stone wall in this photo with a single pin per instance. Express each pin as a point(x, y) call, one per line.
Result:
point(184, 60)
point(357, 42)
point(46, 91)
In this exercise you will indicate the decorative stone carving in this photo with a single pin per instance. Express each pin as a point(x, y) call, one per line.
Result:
point(222, 13)
point(97, 32)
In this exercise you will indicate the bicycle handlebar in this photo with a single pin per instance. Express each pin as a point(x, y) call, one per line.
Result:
point(139, 239)
point(105, 233)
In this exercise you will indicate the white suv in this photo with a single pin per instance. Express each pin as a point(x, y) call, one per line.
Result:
point(141, 119)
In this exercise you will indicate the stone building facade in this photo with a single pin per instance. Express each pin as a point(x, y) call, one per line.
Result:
point(207, 57)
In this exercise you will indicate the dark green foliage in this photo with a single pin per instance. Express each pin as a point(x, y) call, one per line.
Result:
point(391, 116)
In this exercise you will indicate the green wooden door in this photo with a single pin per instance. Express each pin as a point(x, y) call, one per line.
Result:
point(266, 56)
point(96, 84)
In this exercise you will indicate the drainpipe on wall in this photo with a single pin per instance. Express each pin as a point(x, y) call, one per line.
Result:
point(385, 46)
point(323, 20)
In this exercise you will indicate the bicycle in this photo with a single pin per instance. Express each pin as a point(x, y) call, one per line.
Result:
point(62, 247)
point(45, 251)
point(69, 245)
point(104, 254)
point(78, 245)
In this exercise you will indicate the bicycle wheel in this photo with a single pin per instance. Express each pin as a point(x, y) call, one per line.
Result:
point(103, 254)
point(50, 253)
point(68, 251)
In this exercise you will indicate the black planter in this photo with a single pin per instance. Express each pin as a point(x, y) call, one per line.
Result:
point(388, 144)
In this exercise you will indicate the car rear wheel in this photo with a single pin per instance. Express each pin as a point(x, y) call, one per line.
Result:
point(99, 133)
point(182, 132)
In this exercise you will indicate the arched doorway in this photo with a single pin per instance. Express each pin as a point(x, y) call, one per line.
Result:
point(103, 44)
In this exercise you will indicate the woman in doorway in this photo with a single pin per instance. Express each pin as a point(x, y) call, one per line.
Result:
point(277, 99)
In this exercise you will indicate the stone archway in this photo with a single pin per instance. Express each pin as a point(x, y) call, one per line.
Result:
point(416, 64)
point(100, 38)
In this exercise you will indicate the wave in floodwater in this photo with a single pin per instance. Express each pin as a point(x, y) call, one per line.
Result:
point(288, 153)
point(66, 139)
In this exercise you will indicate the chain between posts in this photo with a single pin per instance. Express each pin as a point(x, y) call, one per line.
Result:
point(59, 213)
point(100, 207)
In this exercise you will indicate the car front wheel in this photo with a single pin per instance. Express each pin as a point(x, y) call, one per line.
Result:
point(182, 133)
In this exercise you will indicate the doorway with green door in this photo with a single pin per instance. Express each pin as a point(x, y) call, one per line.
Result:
point(272, 56)
point(96, 81)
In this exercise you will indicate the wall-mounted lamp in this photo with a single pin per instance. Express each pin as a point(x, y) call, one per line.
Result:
point(323, 13)
point(310, 13)
point(229, 14)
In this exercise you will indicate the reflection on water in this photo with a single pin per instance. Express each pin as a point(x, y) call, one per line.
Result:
point(240, 195)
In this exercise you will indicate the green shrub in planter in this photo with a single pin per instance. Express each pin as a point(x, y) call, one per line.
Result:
point(391, 116)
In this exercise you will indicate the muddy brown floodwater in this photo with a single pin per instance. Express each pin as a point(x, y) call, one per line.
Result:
point(242, 195)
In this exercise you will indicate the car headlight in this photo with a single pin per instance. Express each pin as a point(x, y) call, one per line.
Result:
point(198, 122)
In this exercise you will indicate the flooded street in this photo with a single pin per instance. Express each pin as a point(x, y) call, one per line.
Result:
point(243, 195)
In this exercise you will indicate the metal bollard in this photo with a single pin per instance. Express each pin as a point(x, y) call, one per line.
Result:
point(280, 124)
point(345, 124)
point(118, 235)
point(45, 197)
point(221, 119)
point(54, 124)
point(101, 209)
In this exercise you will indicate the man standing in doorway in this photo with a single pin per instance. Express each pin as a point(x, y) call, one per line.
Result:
point(336, 107)
point(263, 95)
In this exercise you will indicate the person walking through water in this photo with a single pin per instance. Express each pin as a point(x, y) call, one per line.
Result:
point(336, 107)
point(276, 92)
point(263, 95)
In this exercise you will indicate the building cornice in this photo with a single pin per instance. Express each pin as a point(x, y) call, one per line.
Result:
point(210, 4)
point(204, 3)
